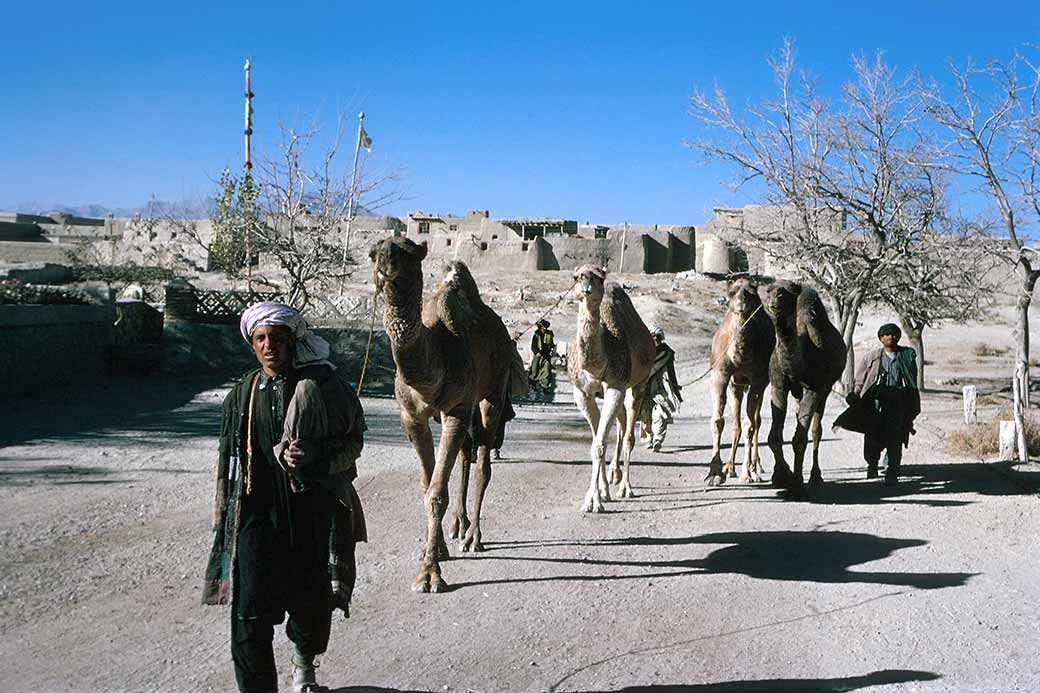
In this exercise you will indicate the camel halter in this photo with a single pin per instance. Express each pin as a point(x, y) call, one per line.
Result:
point(368, 347)
point(711, 367)
point(548, 312)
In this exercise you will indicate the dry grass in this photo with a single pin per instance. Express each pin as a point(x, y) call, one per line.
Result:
point(983, 439)
point(983, 349)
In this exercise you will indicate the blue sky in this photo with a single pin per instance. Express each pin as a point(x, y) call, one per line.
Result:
point(562, 109)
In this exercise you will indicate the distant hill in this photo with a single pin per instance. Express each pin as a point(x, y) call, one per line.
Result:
point(200, 208)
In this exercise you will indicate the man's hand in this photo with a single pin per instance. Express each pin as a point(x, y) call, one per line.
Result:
point(298, 454)
point(851, 399)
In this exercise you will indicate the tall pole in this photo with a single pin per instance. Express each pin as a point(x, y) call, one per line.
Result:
point(247, 167)
point(351, 199)
point(624, 240)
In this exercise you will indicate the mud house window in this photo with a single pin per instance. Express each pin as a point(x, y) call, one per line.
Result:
point(483, 246)
point(447, 242)
point(523, 246)
point(424, 227)
point(453, 227)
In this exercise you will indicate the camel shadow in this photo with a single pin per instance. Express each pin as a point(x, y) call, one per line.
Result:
point(372, 689)
point(792, 556)
point(883, 677)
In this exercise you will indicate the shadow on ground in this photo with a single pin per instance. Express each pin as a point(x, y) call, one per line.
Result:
point(154, 406)
point(848, 683)
point(823, 557)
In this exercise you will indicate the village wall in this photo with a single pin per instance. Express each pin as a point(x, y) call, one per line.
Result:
point(50, 346)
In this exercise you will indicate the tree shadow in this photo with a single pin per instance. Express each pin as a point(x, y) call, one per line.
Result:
point(882, 677)
point(65, 474)
point(818, 556)
point(152, 410)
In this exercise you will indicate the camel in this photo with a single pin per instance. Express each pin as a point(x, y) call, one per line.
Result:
point(453, 357)
point(809, 358)
point(740, 354)
point(612, 354)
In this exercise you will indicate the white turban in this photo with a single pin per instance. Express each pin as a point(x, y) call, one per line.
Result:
point(310, 348)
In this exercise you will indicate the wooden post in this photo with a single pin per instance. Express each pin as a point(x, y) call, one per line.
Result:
point(624, 237)
point(1007, 440)
point(970, 414)
point(1020, 428)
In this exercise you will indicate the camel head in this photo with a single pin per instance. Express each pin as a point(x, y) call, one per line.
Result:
point(397, 259)
point(743, 299)
point(780, 299)
point(589, 280)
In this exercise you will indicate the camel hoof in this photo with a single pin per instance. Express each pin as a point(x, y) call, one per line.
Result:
point(816, 479)
point(472, 542)
point(593, 504)
point(731, 473)
point(459, 527)
point(625, 490)
point(715, 479)
point(429, 582)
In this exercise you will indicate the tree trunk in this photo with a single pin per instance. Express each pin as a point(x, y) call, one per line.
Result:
point(1025, 299)
point(915, 335)
point(846, 315)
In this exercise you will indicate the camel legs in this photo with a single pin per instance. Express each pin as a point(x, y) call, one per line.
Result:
point(460, 523)
point(627, 417)
point(778, 406)
point(453, 433)
point(819, 401)
point(614, 472)
point(719, 382)
point(752, 462)
point(590, 410)
point(594, 497)
point(489, 414)
point(738, 400)
point(417, 430)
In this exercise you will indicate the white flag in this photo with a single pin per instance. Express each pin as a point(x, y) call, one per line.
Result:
point(366, 141)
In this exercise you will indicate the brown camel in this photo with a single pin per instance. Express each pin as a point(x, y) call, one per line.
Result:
point(612, 355)
point(809, 358)
point(453, 358)
point(740, 353)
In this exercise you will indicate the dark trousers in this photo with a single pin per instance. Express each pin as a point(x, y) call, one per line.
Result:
point(872, 449)
point(271, 579)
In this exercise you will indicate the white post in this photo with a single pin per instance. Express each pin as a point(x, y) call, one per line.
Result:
point(1007, 440)
point(350, 199)
point(970, 413)
point(1020, 428)
point(624, 237)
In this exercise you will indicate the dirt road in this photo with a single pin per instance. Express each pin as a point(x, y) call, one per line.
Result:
point(931, 585)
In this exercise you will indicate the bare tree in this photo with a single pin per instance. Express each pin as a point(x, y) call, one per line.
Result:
point(303, 206)
point(993, 133)
point(847, 177)
point(943, 276)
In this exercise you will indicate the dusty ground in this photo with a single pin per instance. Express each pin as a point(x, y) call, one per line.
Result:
point(931, 585)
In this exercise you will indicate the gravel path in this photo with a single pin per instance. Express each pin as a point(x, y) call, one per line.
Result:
point(931, 585)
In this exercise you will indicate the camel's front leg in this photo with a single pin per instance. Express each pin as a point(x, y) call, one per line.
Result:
point(815, 475)
point(800, 439)
point(719, 382)
point(417, 429)
point(619, 445)
point(778, 406)
point(738, 401)
point(453, 433)
point(594, 497)
point(489, 415)
point(630, 409)
point(460, 523)
point(590, 410)
point(752, 462)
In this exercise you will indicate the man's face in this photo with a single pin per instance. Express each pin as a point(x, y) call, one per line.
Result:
point(889, 340)
point(273, 346)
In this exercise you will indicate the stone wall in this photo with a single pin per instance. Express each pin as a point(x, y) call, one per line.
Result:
point(51, 346)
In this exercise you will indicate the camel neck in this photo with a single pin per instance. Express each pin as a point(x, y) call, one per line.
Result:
point(402, 316)
point(590, 336)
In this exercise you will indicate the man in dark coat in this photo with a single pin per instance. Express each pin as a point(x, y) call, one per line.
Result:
point(540, 372)
point(884, 402)
point(286, 516)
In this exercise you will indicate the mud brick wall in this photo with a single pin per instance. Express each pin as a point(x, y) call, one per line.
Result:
point(43, 348)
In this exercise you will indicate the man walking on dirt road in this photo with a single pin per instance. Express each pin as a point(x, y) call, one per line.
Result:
point(886, 395)
point(286, 514)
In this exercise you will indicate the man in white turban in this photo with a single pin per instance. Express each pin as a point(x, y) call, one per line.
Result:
point(310, 349)
point(286, 516)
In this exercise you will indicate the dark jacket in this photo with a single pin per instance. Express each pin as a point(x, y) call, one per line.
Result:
point(861, 415)
point(347, 426)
